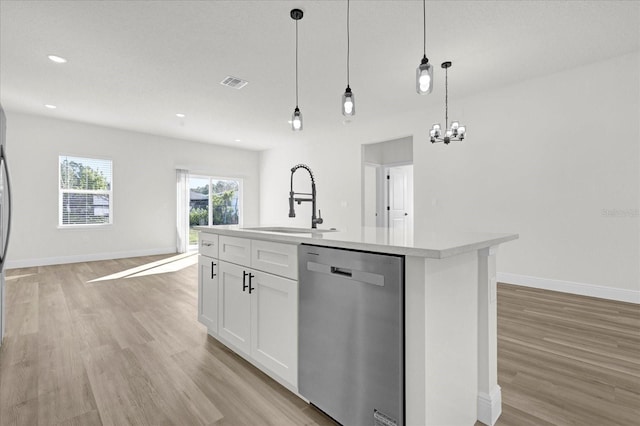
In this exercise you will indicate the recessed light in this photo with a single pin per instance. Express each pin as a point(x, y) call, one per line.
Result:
point(180, 115)
point(50, 106)
point(57, 59)
point(237, 140)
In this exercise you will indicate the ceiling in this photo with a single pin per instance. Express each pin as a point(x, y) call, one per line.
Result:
point(135, 64)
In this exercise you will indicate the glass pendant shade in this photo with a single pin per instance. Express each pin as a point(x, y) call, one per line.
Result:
point(424, 77)
point(348, 103)
point(296, 120)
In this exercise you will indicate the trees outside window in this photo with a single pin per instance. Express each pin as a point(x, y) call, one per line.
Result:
point(213, 201)
point(85, 191)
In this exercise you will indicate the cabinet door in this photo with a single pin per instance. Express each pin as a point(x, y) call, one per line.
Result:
point(208, 293)
point(234, 314)
point(274, 317)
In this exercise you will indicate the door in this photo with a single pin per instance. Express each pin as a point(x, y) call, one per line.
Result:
point(274, 317)
point(208, 292)
point(400, 205)
point(234, 315)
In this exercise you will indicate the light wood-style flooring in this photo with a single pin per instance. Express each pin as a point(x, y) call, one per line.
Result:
point(117, 343)
point(566, 359)
point(126, 350)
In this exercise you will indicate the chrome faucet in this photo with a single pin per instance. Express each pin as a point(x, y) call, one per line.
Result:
point(292, 197)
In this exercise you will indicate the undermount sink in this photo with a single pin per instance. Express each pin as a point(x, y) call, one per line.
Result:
point(290, 230)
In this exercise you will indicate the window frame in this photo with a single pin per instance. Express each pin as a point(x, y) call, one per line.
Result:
point(211, 178)
point(62, 191)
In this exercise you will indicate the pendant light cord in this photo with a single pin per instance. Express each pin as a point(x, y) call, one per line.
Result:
point(424, 28)
point(296, 63)
point(446, 98)
point(348, 46)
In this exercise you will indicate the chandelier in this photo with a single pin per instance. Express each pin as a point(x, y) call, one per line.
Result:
point(454, 133)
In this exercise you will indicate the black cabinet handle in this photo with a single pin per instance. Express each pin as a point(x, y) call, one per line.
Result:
point(251, 288)
point(244, 281)
point(212, 265)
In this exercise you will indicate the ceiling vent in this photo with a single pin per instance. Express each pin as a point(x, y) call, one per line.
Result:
point(234, 82)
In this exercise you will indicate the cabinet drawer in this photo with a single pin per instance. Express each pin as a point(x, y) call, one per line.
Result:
point(276, 258)
point(235, 250)
point(208, 244)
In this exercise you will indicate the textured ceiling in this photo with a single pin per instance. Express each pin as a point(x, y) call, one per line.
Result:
point(135, 64)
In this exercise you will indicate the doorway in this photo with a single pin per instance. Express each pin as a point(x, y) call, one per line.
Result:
point(387, 189)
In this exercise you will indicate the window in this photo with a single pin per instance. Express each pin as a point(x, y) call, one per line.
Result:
point(213, 201)
point(85, 191)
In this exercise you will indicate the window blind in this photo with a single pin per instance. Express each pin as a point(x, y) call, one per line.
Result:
point(85, 190)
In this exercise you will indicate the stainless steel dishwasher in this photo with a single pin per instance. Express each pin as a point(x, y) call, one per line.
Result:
point(351, 335)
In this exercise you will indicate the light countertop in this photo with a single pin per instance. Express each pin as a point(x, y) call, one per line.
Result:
point(435, 245)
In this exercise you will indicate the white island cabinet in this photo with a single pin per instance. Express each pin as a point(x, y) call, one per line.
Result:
point(255, 302)
point(450, 312)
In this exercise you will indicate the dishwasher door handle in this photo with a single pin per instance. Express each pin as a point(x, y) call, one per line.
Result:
point(356, 275)
point(341, 271)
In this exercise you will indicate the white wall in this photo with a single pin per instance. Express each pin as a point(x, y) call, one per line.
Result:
point(542, 158)
point(144, 188)
point(389, 152)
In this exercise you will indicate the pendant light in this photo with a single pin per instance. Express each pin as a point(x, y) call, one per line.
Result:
point(348, 100)
point(454, 133)
point(424, 72)
point(296, 118)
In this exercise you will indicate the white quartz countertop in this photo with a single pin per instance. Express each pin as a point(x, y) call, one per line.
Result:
point(435, 245)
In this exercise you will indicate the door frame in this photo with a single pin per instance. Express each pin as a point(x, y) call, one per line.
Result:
point(203, 175)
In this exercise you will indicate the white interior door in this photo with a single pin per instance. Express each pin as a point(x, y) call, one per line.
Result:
point(400, 204)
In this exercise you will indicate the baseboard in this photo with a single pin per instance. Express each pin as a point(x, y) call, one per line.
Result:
point(583, 289)
point(58, 260)
point(490, 406)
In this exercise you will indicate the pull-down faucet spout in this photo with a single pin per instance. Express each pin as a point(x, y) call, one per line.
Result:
point(292, 197)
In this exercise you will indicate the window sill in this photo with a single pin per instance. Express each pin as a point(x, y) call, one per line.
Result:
point(86, 227)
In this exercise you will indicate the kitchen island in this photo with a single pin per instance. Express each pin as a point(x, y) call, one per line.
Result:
point(450, 311)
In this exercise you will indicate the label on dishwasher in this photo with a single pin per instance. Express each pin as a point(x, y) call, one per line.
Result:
point(381, 419)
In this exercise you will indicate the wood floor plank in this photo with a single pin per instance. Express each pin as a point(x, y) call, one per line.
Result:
point(91, 418)
point(22, 414)
point(66, 402)
point(183, 400)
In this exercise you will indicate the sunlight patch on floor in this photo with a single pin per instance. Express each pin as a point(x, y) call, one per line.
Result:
point(170, 264)
point(174, 266)
point(16, 277)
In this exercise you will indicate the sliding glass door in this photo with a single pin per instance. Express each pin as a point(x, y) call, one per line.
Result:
point(213, 201)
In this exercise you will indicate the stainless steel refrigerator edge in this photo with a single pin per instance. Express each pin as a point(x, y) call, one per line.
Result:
point(5, 216)
point(351, 335)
